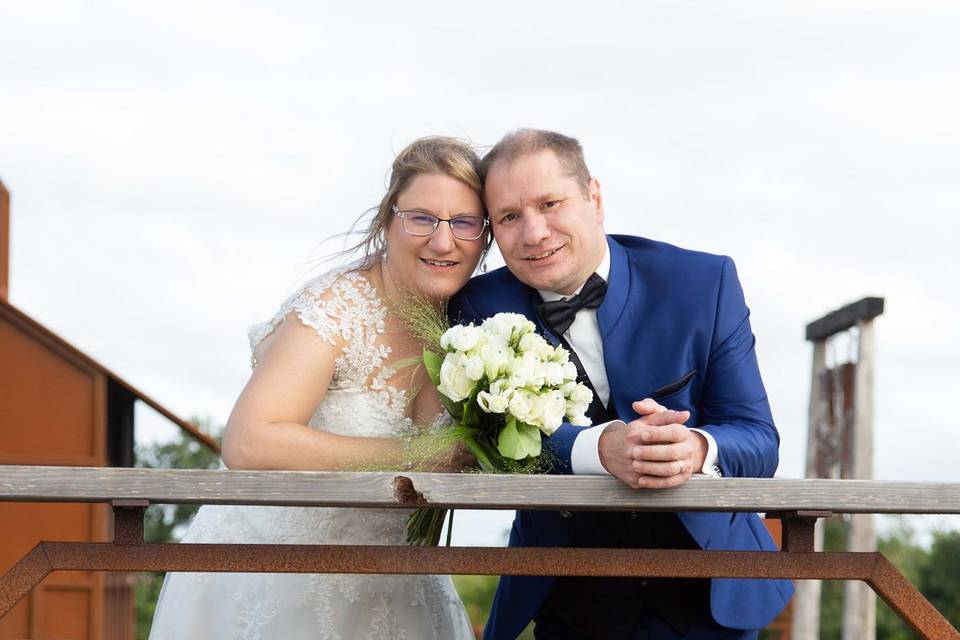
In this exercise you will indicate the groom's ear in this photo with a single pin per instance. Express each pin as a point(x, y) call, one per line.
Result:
point(596, 198)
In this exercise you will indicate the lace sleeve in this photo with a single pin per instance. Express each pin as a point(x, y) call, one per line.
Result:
point(328, 304)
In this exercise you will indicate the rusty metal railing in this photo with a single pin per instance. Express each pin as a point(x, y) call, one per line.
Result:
point(798, 503)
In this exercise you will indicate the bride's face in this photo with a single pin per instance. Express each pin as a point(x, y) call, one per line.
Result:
point(439, 264)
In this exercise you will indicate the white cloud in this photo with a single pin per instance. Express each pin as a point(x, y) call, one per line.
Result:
point(920, 108)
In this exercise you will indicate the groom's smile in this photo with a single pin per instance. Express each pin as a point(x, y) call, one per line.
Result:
point(538, 257)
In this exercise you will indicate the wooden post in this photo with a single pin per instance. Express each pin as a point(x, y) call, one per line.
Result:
point(859, 618)
point(860, 603)
point(806, 600)
point(4, 241)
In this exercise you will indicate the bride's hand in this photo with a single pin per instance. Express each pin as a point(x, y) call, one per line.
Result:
point(454, 459)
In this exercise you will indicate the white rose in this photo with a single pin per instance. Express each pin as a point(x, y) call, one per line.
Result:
point(520, 405)
point(569, 371)
point(522, 370)
point(552, 407)
point(580, 420)
point(495, 359)
point(492, 403)
point(535, 414)
point(576, 409)
point(454, 381)
point(473, 366)
point(581, 393)
point(545, 351)
point(560, 354)
point(460, 338)
point(553, 374)
point(527, 371)
point(533, 342)
point(508, 327)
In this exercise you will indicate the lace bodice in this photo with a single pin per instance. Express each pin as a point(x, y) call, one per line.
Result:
point(343, 307)
point(345, 310)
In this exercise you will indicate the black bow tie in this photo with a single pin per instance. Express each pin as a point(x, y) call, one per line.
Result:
point(559, 314)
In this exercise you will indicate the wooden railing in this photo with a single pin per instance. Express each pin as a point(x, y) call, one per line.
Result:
point(798, 503)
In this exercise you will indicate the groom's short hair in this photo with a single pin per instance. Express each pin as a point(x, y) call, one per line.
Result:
point(524, 142)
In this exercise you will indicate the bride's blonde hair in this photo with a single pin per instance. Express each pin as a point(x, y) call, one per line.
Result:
point(433, 154)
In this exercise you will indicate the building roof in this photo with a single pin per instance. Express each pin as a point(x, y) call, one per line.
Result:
point(49, 338)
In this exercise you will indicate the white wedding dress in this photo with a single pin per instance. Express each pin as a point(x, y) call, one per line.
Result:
point(249, 606)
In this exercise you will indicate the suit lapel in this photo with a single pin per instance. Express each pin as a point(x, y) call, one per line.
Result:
point(618, 290)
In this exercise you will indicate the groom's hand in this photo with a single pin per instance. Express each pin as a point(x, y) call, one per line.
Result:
point(655, 451)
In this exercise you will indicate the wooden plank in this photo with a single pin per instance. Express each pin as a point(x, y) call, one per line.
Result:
point(470, 491)
point(844, 318)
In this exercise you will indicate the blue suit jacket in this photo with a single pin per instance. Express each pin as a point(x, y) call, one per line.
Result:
point(669, 314)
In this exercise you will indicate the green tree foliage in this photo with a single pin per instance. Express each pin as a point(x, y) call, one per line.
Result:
point(166, 522)
point(940, 575)
point(935, 572)
point(477, 595)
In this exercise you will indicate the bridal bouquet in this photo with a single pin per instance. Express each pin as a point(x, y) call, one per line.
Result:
point(505, 387)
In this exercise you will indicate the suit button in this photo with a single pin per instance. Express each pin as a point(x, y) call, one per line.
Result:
point(644, 583)
point(566, 514)
point(633, 515)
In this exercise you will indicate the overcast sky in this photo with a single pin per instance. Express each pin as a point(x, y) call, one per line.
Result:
point(174, 170)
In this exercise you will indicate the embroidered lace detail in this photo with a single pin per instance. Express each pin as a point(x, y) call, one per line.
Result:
point(343, 307)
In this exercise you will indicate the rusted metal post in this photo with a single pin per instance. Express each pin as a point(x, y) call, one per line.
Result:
point(128, 520)
point(908, 603)
point(799, 529)
point(22, 577)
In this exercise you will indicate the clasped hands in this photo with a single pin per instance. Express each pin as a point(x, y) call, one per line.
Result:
point(655, 451)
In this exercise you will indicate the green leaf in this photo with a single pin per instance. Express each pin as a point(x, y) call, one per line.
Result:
point(471, 410)
point(508, 441)
point(530, 438)
point(433, 363)
point(518, 440)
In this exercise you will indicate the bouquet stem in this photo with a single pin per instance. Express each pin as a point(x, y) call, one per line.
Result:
point(424, 527)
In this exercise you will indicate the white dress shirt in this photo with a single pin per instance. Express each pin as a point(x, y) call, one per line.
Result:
point(583, 336)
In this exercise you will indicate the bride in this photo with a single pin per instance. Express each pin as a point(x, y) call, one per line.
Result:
point(328, 392)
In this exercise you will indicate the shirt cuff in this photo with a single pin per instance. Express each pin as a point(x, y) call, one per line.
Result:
point(710, 467)
point(585, 454)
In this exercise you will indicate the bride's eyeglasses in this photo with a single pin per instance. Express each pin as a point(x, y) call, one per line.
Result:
point(421, 223)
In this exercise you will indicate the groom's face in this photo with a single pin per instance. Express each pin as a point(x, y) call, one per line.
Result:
point(549, 231)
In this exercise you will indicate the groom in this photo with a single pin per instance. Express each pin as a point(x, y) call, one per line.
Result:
point(646, 320)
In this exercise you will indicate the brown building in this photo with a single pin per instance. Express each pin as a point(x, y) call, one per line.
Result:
point(59, 406)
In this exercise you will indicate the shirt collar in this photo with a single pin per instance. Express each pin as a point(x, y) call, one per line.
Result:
point(603, 270)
